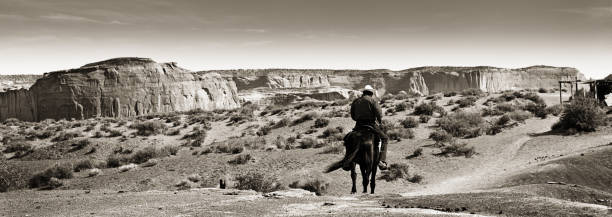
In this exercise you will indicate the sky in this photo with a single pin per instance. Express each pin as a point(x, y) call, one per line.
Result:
point(38, 36)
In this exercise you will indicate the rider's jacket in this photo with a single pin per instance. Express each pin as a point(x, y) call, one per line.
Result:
point(366, 110)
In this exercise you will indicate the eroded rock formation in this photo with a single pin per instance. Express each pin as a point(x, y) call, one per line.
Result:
point(423, 80)
point(122, 87)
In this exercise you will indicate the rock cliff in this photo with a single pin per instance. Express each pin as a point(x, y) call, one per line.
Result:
point(424, 80)
point(122, 87)
point(15, 82)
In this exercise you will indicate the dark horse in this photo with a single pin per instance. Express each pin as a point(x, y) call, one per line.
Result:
point(360, 147)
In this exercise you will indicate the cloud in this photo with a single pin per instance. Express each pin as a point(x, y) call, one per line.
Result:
point(256, 43)
point(247, 30)
point(12, 17)
point(594, 12)
point(73, 18)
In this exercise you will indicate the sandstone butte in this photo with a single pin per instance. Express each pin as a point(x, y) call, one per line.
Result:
point(127, 87)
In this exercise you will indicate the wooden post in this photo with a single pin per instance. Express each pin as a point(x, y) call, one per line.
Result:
point(560, 95)
point(576, 85)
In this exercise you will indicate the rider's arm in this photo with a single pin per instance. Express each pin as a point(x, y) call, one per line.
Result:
point(377, 111)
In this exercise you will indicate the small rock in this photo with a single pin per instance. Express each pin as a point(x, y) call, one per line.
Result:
point(121, 192)
point(37, 207)
point(328, 204)
point(87, 191)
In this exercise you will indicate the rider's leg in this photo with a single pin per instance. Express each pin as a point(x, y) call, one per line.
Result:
point(383, 149)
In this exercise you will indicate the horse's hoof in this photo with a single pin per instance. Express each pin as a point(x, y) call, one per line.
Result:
point(353, 192)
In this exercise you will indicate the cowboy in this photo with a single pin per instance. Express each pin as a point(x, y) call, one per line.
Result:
point(366, 111)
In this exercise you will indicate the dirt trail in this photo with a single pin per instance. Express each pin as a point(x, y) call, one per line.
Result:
point(495, 160)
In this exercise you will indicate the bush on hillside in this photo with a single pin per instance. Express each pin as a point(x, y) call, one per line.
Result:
point(427, 109)
point(554, 110)
point(321, 122)
point(395, 171)
point(471, 92)
point(457, 149)
point(63, 136)
point(241, 159)
point(305, 117)
point(519, 116)
point(149, 128)
point(319, 187)
point(441, 136)
point(43, 179)
point(462, 124)
point(83, 164)
point(539, 110)
point(400, 133)
point(466, 101)
point(410, 122)
point(582, 114)
point(257, 181)
point(424, 118)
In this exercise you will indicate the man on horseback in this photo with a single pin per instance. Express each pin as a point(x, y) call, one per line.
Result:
point(366, 111)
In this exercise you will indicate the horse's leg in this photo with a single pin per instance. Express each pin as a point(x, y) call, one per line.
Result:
point(373, 166)
point(365, 176)
point(373, 179)
point(354, 178)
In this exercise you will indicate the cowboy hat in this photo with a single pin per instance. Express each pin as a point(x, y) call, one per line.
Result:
point(369, 88)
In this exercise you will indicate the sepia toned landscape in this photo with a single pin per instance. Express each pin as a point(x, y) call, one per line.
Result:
point(133, 137)
point(266, 108)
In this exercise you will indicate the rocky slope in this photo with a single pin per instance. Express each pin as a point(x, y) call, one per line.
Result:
point(14, 82)
point(121, 87)
point(423, 80)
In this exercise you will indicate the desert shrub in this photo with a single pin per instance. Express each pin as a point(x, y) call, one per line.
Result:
point(403, 106)
point(424, 109)
point(319, 187)
point(534, 98)
point(417, 152)
point(196, 137)
point(333, 149)
point(149, 128)
point(264, 130)
point(466, 101)
point(400, 133)
point(83, 164)
point(114, 133)
point(332, 134)
point(416, 178)
point(127, 167)
point(150, 163)
point(11, 176)
point(257, 181)
point(450, 93)
point(63, 136)
point(539, 110)
point(113, 161)
point(542, 90)
point(194, 177)
point(241, 159)
point(341, 102)
point(167, 151)
point(98, 134)
point(308, 142)
point(441, 136)
point(503, 120)
point(395, 171)
point(173, 132)
point(143, 155)
point(410, 122)
point(281, 123)
point(19, 146)
point(80, 144)
point(471, 92)
point(428, 109)
point(45, 134)
point(554, 110)
point(458, 149)
point(321, 122)
point(305, 117)
point(519, 116)
point(505, 107)
point(42, 179)
point(461, 124)
point(424, 118)
point(582, 114)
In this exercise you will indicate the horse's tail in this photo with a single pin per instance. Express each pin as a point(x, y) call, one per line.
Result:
point(333, 166)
